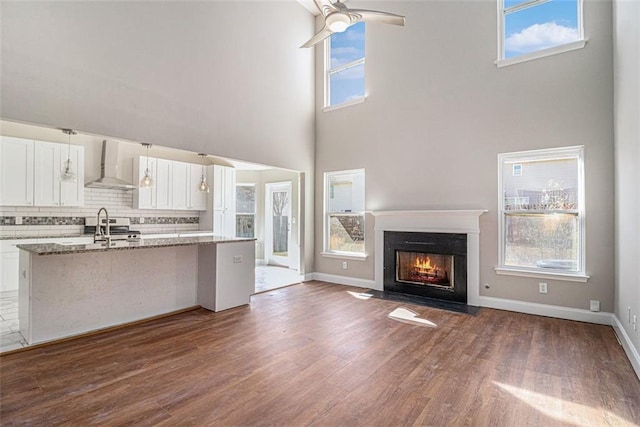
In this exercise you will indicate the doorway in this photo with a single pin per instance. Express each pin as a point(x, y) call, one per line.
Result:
point(277, 225)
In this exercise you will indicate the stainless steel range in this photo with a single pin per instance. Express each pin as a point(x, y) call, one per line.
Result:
point(118, 228)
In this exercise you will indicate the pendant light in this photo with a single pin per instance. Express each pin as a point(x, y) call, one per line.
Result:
point(67, 174)
point(146, 181)
point(203, 186)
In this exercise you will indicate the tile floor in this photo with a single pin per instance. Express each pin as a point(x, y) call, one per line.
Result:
point(10, 337)
point(268, 277)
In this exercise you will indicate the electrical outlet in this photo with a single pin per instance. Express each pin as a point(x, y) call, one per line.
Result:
point(141, 220)
point(18, 220)
point(542, 287)
point(594, 305)
point(344, 265)
point(237, 259)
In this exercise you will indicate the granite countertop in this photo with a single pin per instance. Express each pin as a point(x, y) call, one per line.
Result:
point(57, 249)
point(53, 236)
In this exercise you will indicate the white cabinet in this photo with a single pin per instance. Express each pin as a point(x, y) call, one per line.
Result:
point(186, 177)
point(49, 159)
point(145, 198)
point(180, 185)
point(224, 204)
point(159, 196)
point(226, 274)
point(16, 172)
point(175, 185)
point(46, 185)
point(9, 263)
point(164, 184)
point(30, 173)
point(197, 199)
point(72, 193)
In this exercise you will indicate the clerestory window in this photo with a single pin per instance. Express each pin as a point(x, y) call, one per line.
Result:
point(530, 29)
point(344, 67)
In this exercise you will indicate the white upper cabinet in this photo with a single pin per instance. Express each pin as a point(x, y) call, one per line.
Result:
point(145, 198)
point(16, 172)
point(30, 173)
point(49, 159)
point(46, 182)
point(197, 199)
point(72, 193)
point(180, 185)
point(174, 185)
point(224, 204)
point(164, 188)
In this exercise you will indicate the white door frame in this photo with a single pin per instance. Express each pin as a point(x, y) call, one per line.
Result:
point(268, 225)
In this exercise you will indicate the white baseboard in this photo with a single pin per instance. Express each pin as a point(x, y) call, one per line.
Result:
point(307, 277)
point(568, 313)
point(627, 344)
point(344, 280)
point(261, 262)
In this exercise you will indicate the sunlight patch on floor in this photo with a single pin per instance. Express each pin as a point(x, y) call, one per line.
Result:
point(405, 315)
point(563, 410)
point(359, 295)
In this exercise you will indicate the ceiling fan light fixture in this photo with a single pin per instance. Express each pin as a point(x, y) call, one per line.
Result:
point(338, 22)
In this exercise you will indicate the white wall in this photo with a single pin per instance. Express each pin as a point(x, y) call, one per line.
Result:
point(224, 77)
point(438, 112)
point(627, 158)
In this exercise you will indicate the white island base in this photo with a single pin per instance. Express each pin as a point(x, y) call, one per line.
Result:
point(63, 295)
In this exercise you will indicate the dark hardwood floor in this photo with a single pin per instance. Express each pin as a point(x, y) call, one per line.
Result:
point(312, 354)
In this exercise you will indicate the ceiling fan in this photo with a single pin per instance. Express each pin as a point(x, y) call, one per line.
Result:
point(338, 17)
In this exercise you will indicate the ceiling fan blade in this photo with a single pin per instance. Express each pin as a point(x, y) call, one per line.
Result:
point(377, 17)
point(325, 7)
point(318, 37)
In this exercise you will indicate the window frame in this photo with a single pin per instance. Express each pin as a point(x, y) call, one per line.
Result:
point(327, 252)
point(255, 205)
point(576, 152)
point(567, 47)
point(328, 71)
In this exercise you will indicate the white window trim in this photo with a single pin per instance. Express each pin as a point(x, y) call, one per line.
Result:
point(255, 206)
point(328, 71)
point(349, 103)
point(345, 255)
point(547, 153)
point(575, 45)
point(326, 252)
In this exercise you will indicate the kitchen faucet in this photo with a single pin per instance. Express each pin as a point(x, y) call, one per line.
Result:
point(100, 236)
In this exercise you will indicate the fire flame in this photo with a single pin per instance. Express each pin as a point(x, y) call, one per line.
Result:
point(423, 264)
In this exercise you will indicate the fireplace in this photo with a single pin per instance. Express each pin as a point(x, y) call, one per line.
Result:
point(426, 269)
point(465, 222)
point(426, 264)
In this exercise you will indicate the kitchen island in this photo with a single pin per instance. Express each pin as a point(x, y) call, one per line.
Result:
point(68, 290)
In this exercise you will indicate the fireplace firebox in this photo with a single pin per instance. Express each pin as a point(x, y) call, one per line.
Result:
point(426, 264)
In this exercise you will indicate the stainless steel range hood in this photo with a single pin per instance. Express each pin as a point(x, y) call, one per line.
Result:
point(109, 169)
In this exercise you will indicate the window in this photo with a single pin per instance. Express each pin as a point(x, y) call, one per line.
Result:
point(245, 210)
point(344, 65)
point(344, 212)
point(531, 29)
point(542, 212)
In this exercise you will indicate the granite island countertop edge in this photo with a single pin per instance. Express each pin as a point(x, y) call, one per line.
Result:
point(58, 249)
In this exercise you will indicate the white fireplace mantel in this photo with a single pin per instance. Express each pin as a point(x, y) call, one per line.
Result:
point(433, 221)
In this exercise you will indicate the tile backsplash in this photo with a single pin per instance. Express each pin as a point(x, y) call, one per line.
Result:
point(54, 221)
